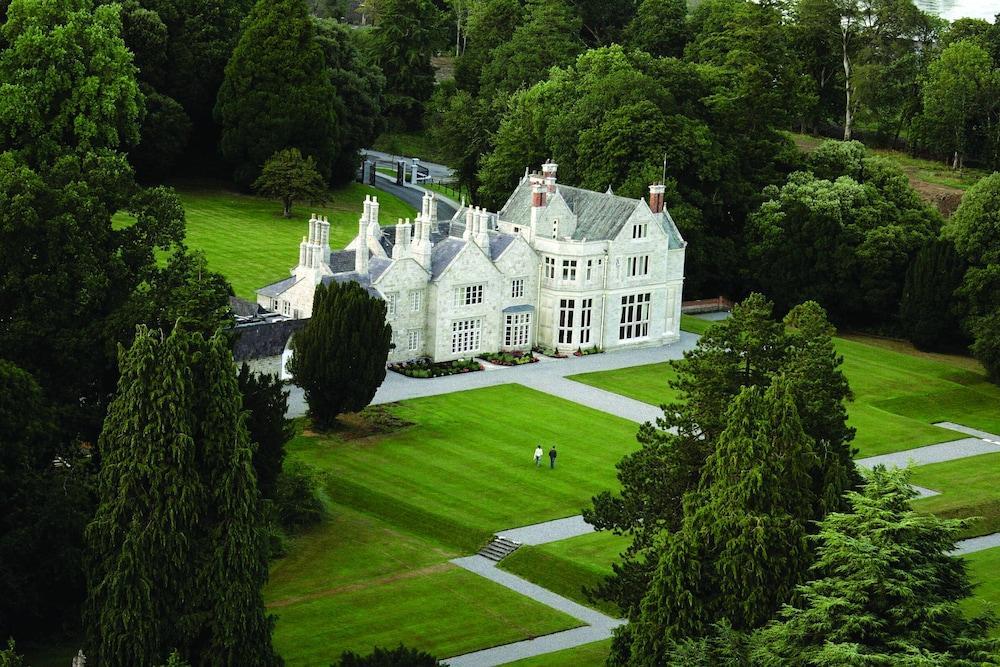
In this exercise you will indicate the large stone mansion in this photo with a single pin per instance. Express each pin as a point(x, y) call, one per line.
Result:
point(557, 266)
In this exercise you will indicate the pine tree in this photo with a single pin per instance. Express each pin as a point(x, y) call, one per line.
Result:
point(266, 400)
point(276, 92)
point(742, 547)
point(339, 356)
point(176, 554)
point(887, 590)
point(927, 310)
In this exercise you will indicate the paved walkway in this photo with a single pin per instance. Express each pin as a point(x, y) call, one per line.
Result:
point(945, 451)
point(546, 376)
point(598, 625)
point(549, 531)
point(974, 544)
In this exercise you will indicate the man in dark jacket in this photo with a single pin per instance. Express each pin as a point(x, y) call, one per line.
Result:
point(552, 457)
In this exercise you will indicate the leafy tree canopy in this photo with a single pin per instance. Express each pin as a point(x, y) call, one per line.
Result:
point(288, 176)
point(659, 27)
point(67, 82)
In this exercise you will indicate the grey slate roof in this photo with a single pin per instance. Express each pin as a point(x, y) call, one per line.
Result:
point(342, 261)
point(499, 243)
point(443, 254)
point(274, 289)
point(242, 307)
point(600, 215)
point(263, 339)
point(377, 266)
point(364, 281)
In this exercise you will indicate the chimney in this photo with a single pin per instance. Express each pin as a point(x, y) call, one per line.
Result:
point(323, 238)
point(538, 192)
point(361, 251)
point(656, 191)
point(366, 216)
point(482, 230)
point(373, 214)
point(469, 222)
point(302, 251)
point(549, 173)
point(401, 248)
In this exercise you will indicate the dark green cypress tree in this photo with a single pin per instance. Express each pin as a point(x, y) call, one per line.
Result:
point(742, 547)
point(277, 92)
point(176, 551)
point(340, 355)
point(887, 590)
point(927, 310)
point(265, 399)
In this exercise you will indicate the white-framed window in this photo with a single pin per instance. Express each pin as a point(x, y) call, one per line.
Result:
point(590, 270)
point(413, 340)
point(465, 335)
point(586, 314)
point(516, 330)
point(415, 301)
point(469, 295)
point(296, 313)
point(274, 305)
point(517, 288)
point(639, 230)
point(569, 270)
point(390, 304)
point(286, 308)
point(637, 265)
point(634, 322)
point(566, 308)
point(550, 267)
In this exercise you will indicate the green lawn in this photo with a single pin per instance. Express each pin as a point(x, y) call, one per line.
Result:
point(568, 566)
point(445, 612)
point(696, 325)
point(355, 582)
point(898, 396)
point(588, 655)
point(983, 568)
point(969, 488)
point(464, 470)
point(247, 240)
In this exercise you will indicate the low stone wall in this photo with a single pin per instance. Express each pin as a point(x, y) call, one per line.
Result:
point(706, 305)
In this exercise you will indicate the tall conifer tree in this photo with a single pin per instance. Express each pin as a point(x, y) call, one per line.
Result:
point(742, 547)
point(176, 552)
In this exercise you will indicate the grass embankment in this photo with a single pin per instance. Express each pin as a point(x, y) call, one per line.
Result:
point(588, 655)
point(968, 487)
point(569, 566)
point(246, 239)
point(355, 582)
point(983, 568)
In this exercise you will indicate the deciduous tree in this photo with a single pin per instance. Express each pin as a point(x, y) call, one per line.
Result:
point(339, 356)
point(659, 27)
point(288, 176)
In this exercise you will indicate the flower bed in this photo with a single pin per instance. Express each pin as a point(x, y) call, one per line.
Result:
point(583, 352)
point(425, 368)
point(509, 358)
point(548, 352)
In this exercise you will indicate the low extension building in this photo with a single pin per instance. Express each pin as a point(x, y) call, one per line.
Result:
point(557, 267)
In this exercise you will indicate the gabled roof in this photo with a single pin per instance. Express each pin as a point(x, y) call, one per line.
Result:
point(263, 339)
point(499, 244)
point(600, 215)
point(444, 254)
point(364, 281)
point(377, 266)
point(278, 288)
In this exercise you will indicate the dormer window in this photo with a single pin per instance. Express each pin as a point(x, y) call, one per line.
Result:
point(639, 230)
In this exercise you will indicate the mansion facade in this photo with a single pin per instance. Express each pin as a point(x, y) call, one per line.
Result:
point(556, 266)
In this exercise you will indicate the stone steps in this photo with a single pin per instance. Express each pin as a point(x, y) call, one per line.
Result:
point(499, 548)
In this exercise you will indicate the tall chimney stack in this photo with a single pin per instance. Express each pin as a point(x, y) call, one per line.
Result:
point(656, 191)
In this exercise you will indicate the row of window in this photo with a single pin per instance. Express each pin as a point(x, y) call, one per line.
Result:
point(569, 269)
point(391, 299)
point(285, 308)
point(466, 335)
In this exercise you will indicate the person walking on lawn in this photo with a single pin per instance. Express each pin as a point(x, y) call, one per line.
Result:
point(552, 457)
point(538, 456)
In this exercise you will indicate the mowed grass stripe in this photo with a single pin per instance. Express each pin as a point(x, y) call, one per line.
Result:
point(983, 568)
point(969, 488)
point(467, 460)
point(445, 613)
